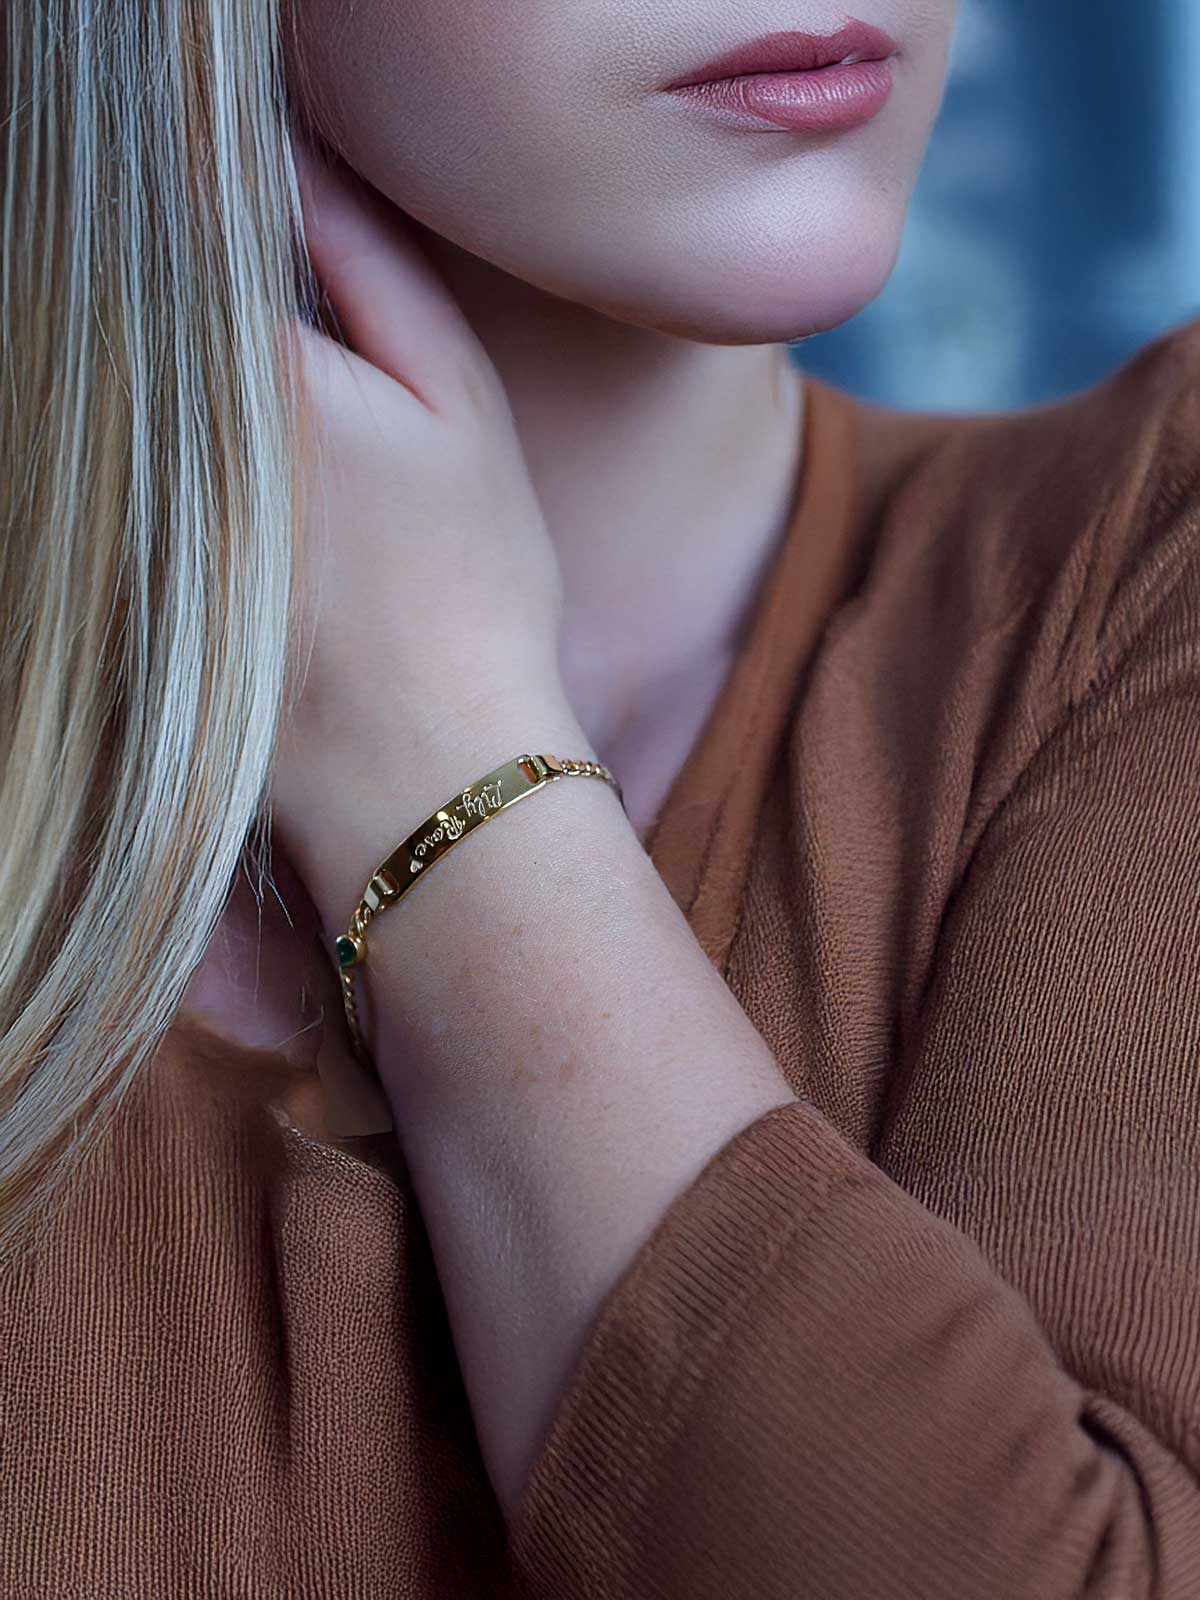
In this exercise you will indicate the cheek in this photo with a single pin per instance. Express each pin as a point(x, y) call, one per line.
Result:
point(546, 149)
point(438, 107)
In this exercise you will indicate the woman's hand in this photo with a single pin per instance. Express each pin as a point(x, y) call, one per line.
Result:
point(433, 592)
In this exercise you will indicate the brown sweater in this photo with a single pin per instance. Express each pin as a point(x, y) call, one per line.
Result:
point(930, 1333)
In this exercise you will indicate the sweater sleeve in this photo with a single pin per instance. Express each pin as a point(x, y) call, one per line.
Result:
point(807, 1382)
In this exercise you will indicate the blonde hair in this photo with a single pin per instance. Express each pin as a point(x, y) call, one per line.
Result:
point(149, 419)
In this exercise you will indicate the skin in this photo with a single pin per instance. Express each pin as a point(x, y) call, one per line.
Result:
point(566, 399)
point(630, 268)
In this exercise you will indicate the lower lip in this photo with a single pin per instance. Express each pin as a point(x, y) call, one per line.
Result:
point(822, 101)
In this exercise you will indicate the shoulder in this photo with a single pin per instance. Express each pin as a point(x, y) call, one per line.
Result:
point(1131, 452)
point(1139, 435)
point(1064, 526)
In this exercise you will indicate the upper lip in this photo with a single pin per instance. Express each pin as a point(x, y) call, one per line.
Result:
point(794, 52)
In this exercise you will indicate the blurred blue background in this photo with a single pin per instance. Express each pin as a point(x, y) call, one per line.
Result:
point(1056, 225)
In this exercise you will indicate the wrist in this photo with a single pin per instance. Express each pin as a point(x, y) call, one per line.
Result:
point(559, 867)
point(376, 800)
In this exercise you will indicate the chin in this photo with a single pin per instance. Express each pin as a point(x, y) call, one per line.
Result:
point(789, 286)
point(758, 311)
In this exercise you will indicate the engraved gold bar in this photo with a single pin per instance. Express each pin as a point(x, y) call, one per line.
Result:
point(476, 804)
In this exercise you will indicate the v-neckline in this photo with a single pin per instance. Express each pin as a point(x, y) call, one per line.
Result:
point(700, 842)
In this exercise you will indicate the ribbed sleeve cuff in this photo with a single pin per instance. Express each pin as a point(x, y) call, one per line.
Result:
point(583, 1514)
point(808, 1382)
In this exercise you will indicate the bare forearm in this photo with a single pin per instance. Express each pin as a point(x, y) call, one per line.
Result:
point(562, 1059)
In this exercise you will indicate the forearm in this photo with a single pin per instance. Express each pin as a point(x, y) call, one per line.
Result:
point(562, 1059)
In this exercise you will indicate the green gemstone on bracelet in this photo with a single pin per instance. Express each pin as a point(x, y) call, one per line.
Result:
point(347, 952)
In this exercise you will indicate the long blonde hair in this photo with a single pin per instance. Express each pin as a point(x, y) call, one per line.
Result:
point(149, 419)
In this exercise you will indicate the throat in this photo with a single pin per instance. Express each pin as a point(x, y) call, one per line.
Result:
point(658, 736)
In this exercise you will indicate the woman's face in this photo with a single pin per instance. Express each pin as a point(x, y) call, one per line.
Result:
point(537, 134)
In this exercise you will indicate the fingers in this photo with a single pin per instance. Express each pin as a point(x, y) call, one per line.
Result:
point(392, 305)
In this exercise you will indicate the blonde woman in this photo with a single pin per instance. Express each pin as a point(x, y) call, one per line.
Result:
point(762, 1162)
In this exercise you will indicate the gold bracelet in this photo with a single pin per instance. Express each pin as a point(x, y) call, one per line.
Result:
point(429, 842)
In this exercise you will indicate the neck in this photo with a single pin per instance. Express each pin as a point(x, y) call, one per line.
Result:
point(666, 470)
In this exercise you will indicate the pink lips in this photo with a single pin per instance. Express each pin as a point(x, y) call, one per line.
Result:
point(796, 80)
